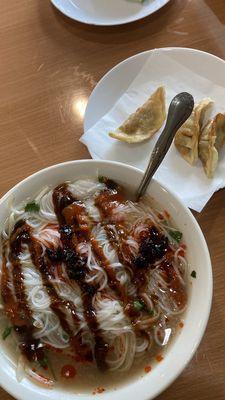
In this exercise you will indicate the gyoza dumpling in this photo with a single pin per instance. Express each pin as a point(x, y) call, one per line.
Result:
point(145, 121)
point(211, 140)
point(187, 137)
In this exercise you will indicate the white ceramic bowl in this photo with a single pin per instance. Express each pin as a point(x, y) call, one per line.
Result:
point(196, 317)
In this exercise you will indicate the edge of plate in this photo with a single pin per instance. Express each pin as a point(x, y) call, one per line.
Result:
point(117, 23)
point(104, 77)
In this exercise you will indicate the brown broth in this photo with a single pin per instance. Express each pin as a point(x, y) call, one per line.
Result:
point(88, 377)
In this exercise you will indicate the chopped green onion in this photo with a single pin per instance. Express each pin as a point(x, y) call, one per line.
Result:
point(6, 332)
point(151, 313)
point(32, 207)
point(193, 274)
point(176, 236)
point(139, 305)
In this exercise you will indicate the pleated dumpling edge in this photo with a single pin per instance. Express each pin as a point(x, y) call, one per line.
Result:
point(212, 138)
point(187, 137)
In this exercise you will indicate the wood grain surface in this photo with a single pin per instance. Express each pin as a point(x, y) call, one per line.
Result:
point(48, 63)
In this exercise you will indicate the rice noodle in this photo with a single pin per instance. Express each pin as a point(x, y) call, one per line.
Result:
point(125, 344)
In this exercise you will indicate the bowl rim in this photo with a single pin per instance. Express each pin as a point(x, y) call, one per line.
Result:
point(24, 393)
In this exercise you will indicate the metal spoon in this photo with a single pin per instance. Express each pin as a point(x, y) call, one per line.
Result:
point(180, 109)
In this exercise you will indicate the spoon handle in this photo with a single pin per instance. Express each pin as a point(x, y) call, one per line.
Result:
point(179, 111)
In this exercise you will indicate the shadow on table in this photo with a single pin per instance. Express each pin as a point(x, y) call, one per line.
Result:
point(212, 214)
point(217, 7)
point(202, 388)
point(116, 34)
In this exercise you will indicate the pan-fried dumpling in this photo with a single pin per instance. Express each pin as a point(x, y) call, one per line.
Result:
point(212, 138)
point(145, 121)
point(187, 137)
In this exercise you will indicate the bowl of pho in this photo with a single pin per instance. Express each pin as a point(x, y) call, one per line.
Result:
point(99, 294)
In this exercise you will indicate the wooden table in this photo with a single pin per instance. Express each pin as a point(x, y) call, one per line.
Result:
point(48, 63)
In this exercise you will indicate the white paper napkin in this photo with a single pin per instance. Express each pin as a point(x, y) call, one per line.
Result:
point(188, 182)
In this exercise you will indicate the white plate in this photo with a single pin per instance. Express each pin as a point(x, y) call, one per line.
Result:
point(107, 12)
point(117, 80)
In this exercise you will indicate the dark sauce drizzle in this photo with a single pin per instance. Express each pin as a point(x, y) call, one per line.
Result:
point(18, 311)
point(58, 305)
point(74, 229)
point(152, 247)
point(17, 308)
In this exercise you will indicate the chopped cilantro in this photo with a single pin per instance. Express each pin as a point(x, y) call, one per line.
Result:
point(43, 363)
point(151, 313)
point(108, 182)
point(32, 207)
point(176, 236)
point(193, 274)
point(6, 332)
point(101, 179)
point(139, 305)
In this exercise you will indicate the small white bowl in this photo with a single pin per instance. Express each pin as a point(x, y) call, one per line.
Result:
point(185, 344)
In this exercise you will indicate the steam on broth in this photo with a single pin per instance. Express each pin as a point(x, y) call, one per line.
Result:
point(91, 284)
